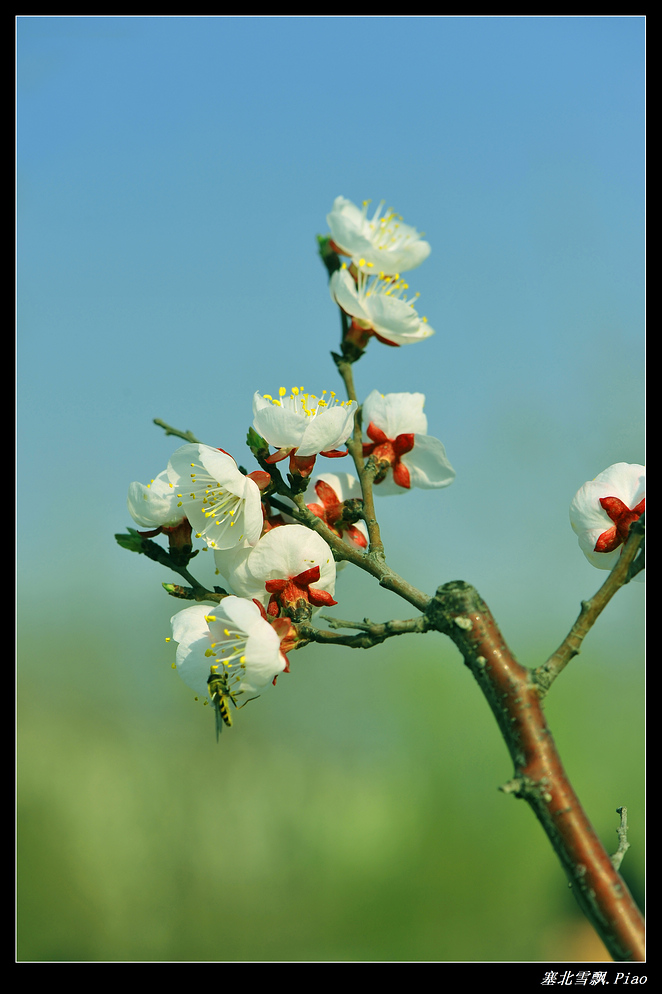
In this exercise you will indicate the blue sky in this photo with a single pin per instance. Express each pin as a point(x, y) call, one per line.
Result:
point(173, 173)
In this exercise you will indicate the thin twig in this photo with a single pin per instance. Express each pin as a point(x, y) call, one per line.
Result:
point(372, 634)
point(364, 625)
point(188, 436)
point(621, 574)
point(135, 542)
point(365, 471)
point(623, 844)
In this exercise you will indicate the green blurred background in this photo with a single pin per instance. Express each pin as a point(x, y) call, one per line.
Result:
point(352, 814)
point(172, 176)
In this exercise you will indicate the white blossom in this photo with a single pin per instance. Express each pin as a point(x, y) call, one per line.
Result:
point(290, 564)
point(234, 638)
point(380, 243)
point(302, 425)
point(331, 491)
point(155, 504)
point(603, 509)
point(378, 304)
point(395, 430)
point(222, 504)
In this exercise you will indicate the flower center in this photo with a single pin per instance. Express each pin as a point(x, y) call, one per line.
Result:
point(387, 232)
point(305, 404)
point(217, 503)
point(228, 651)
point(388, 286)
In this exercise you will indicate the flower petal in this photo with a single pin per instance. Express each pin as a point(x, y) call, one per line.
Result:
point(155, 505)
point(589, 519)
point(428, 464)
point(396, 413)
point(223, 505)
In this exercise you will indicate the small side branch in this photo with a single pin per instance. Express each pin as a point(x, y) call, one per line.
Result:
point(194, 594)
point(133, 541)
point(188, 436)
point(629, 564)
point(623, 844)
point(371, 634)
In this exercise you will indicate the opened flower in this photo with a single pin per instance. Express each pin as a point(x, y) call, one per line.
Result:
point(156, 507)
point(603, 509)
point(378, 306)
point(233, 639)
point(397, 441)
point(221, 503)
point(291, 571)
point(155, 504)
point(382, 243)
point(303, 426)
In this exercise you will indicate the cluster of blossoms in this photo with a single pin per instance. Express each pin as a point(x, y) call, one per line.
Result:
point(371, 291)
point(280, 571)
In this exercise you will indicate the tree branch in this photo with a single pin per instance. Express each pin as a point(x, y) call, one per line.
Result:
point(539, 778)
point(188, 436)
point(135, 542)
point(372, 634)
point(625, 568)
point(365, 471)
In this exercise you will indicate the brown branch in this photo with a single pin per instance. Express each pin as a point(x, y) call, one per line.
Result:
point(371, 562)
point(365, 471)
point(372, 634)
point(625, 568)
point(194, 594)
point(515, 699)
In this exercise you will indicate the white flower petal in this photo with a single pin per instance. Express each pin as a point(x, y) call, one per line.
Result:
point(589, 520)
point(280, 427)
point(223, 505)
point(344, 292)
point(395, 413)
point(304, 422)
point(155, 505)
point(428, 464)
point(232, 564)
point(290, 550)
point(383, 241)
point(396, 320)
point(232, 636)
point(191, 631)
point(379, 304)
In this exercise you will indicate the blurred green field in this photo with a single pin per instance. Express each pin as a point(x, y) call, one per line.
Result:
point(351, 815)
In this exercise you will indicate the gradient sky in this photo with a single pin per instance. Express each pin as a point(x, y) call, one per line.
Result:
point(173, 173)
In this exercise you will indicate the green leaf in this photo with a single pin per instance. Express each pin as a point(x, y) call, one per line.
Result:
point(258, 445)
point(131, 541)
point(330, 258)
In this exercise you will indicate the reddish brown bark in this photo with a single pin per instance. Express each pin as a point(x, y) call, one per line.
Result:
point(539, 777)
